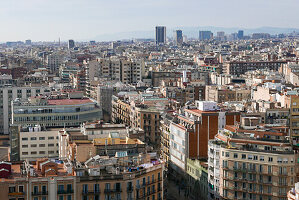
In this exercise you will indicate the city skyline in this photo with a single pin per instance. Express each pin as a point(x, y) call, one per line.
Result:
point(86, 20)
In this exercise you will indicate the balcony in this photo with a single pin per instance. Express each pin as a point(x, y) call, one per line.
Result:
point(65, 191)
point(37, 193)
point(130, 189)
point(112, 190)
point(16, 193)
point(89, 192)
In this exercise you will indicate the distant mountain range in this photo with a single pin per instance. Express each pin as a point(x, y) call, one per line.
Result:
point(191, 32)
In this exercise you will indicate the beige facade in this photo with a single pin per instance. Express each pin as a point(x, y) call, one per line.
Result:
point(251, 164)
point(38, 144)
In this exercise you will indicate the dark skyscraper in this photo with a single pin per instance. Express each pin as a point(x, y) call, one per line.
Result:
point(71, 44)
point(28, 42)
point(178, 37)
point(205, 35)
point(240, 34)
point(160, 34)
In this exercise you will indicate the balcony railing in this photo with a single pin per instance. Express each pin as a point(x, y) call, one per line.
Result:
point(36, 193)
point(16, 193)
point(86, 192)
point(65, 191)
point(112, 190)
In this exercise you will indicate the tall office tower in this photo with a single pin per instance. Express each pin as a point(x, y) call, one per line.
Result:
point(28, 42)
point(178, 37)
point(71, 44)
point(160, 34)
point(205, 35)
point(240, 34)
point(220, 36)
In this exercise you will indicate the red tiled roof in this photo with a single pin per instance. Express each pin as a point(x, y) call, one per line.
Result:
point(68, 101)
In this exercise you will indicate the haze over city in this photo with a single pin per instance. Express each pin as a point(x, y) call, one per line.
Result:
point(47, 20)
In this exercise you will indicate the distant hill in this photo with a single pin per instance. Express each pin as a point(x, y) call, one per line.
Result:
point(191, 32)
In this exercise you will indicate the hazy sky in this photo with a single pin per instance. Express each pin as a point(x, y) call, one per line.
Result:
point(84, 19)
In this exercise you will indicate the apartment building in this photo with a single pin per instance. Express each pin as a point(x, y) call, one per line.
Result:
point(54, 61)
point(144, 115)
point(43, 179)
point(31, 143)
point(148, 119)
point(119, 177)
point(120, 111)
point(197, 179)
point(255, 163)
point(196, 125)
point(104, 95)
point(278, 116)
point(35, 143)
point(10, 93)
point(115, 178)
point(48, 112)
point(127, 71)
point(81, 150)
point(165, 132)
point(240, 67)
point(294, 120)
point(223, 94)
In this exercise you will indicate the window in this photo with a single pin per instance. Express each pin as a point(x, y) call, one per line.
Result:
point(60, 197)
point(269, 189)
point(34, 145)
point(50, 138)
point(24, 139)
point(33, 152)
point(24, 153)
point(21, 188)
point(261, 168)
point(35, 189)
point(269, 179)
point(69, 197)
point(255, 157)
point(42, 145)
point(25, 146)
point(270, 159)
point(96, 187)
point(12, 189)
point(60, 187)
point(33, 138)
point(227, 154)
point(42, 152)
point(243, 156)
point(261, 158)
point(235, 155)
point(50, 145)
point(250, 157)
point(44, 188)
point(269, 169)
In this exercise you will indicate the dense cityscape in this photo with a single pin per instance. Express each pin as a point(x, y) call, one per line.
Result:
point(207, 118)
